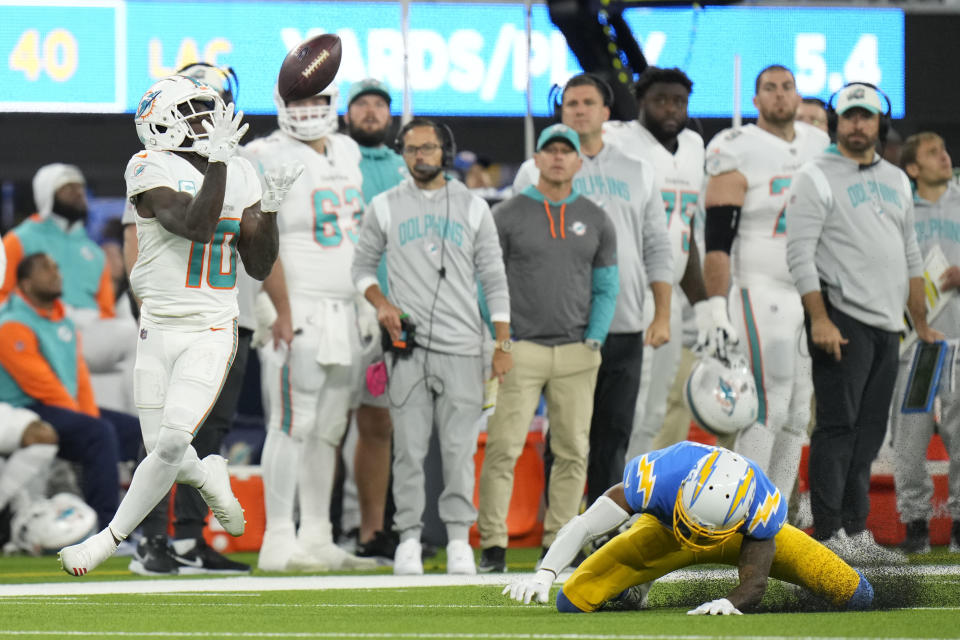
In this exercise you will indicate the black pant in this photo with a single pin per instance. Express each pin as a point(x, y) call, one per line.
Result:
point(190, 511)
point(853, 402)
point(97, 444)
point(614, 403)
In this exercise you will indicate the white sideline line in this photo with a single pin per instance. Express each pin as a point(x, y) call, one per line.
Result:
point(240, 584)
point(415, 636)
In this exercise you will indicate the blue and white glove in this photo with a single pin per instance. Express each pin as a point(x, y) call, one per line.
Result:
point(536, 587)
point(715, 335)
point(721, 607)
point(223, 133)
point(278, 181)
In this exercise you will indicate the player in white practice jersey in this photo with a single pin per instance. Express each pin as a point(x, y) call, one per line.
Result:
point(660, 136)
point(198, 206)
point(311, 371)
point(750, 169)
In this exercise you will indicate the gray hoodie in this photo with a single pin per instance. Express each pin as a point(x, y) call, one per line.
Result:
point(851, 226)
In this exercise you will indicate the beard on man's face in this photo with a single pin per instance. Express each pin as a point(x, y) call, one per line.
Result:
point(69, 211)
point(368, 137)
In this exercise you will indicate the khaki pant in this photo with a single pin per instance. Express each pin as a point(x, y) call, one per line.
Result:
point(567, 375)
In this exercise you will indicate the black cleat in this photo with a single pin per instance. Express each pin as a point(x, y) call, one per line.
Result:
point(202, 559)
point(154, 557)
point(383, 546)
point(492, 560)
point(918, 537)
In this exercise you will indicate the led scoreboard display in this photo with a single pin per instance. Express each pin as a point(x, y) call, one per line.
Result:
point(464, 58)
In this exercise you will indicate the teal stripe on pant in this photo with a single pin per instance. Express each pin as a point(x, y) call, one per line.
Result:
point(286, 402)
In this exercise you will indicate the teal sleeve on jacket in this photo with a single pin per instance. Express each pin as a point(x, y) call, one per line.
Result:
point(603, 301)
point(484, 309)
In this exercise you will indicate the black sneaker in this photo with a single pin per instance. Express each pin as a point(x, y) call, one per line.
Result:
point(492, 560)
point(154, 557)
point(202, 559)
point(382, 546)
point(918, 537)
point(955, 537)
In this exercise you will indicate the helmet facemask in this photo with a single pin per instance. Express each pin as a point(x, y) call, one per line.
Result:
point(309, 123)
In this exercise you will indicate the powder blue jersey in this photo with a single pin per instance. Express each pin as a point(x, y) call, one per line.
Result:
point(651, 484)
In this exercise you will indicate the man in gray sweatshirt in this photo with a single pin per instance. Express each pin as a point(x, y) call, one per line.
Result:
point(852, 252)
point(937, 205)
point(440, 241)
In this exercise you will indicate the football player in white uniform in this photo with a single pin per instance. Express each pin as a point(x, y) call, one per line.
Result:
point(750, 170)
point(311, 371)
point(660, 136)
point(198, 206)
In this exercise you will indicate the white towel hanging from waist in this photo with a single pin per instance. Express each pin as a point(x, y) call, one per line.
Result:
point(336, 324)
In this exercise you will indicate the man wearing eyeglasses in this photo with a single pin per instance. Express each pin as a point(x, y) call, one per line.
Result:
point(560, 251)
point(440, 242)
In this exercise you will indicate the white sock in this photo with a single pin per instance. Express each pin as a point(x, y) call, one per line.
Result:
point(785, 465)
point(184, 545)
point(23, 466)
point(191, 472)
point(316, 483)
point(151, 481)
point(756, 442)
point(279, 464)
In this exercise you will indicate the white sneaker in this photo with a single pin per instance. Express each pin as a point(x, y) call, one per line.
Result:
point(867, 551)
point(275, 550)
point(460, 558)
point(80, 559)
point(840, 544)
point(406, 561)
point(327, 557)
point(219, 496)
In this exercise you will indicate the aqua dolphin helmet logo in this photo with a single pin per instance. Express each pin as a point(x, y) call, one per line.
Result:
point(146, 104)
point(726, 396)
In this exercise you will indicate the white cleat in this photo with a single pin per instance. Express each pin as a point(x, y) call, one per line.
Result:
point(460, 558)
point(327, 557)
point(219, 496)
point(407, 560)
point(868, 552)
point(82, 558)
point(275, 550)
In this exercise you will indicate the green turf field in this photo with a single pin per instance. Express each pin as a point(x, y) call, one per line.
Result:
point(39, 601)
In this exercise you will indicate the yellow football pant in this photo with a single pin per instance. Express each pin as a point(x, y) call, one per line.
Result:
point(648, 550)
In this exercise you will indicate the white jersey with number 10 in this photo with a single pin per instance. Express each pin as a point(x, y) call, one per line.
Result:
point(759, 253)
point(319, 220)
point(186, 284)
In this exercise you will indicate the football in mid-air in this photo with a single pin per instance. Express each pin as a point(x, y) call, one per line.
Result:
point(309, 67)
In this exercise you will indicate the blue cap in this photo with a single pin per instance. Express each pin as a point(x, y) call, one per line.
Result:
point(559, 132)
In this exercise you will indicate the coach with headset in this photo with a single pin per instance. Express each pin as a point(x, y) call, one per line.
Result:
point(852, 252)
point(439, 241)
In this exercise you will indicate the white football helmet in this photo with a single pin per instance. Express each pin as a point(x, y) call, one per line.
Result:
point(163, 116)
point(309, 123)
point(722, 395)
point(713, 500)
point(49, 525)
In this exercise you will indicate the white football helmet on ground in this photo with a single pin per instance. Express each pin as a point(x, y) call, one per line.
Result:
point(309, 122)
point(165, 110)
point(713, 500)
point(49, 525)
point(722, 395)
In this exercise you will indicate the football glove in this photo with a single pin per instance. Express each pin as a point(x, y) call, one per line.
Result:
point(721, 607)
point(715, 335)
point(536, 587)
point(278, 180)
point(223, 133)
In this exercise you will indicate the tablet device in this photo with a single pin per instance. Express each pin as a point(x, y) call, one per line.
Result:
point(924, 377)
